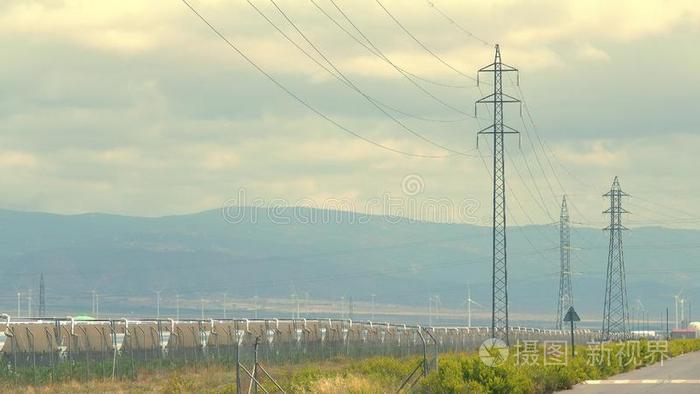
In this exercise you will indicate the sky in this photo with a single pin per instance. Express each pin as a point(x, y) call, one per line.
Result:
point(138, 108)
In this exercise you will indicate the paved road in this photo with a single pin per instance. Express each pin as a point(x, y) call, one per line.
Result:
point(678, 375)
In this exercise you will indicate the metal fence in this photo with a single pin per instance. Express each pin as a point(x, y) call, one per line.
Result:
point(42, 349)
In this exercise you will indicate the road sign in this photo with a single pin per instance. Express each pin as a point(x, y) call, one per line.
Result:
point(571, 315)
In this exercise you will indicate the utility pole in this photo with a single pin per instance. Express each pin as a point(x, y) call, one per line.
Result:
point(468, 304)
point(430, 310)
point(224, 305)
point(298, 309)
point(437, 309)
point(683, 325)
point(202, 307)
point(97, 305)
point(566, 299)
point(157, 303)
point(42, 297)
point(295, 301)
point(615, 308)
point(19, 304)
point(255, 300)
point(675, 316)
point(29, 304)
point(499, 278)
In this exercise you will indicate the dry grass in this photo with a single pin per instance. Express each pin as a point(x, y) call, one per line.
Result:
point(347, 384)
point(210, 379)
point(215, 379)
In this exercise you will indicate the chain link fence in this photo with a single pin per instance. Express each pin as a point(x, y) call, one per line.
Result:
point(47, 350)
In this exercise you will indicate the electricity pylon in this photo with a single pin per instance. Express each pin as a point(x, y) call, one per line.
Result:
point(615, 309)
point(499, 279)
point(566, 299)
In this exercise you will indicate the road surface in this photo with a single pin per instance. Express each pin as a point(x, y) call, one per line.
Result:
point(678, 375)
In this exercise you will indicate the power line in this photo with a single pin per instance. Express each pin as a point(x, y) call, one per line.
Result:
point(541, 203)
point(302, 101)
point(566, 169)
point(342, 77)
point(544, 151)
point(457, 25)
point(522, 208)
point(683, 212)
point(380, 55)
point(378, 52)
point(383, 104)
point(421, 44)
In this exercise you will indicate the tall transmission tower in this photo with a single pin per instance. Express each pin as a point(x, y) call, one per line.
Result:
point(42, 297)
point(499, 284)
point(566, 298)
point(615, 309)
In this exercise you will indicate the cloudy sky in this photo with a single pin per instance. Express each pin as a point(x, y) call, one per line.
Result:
point(137, 107)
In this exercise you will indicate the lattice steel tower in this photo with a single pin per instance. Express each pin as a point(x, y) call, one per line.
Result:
point(499, 284)
point(566, 298)
point(42, 297)
point(615, 309)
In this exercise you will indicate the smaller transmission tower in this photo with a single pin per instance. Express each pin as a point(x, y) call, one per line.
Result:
point(566, 299)
point(42, 297)
point(615, 309)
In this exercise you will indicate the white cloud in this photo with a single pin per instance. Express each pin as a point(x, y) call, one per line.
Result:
point(589, 52)
point(14, 159)
point(136, 107)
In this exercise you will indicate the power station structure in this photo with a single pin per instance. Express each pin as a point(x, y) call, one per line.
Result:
point(615, 308)
point(499, 283)
point(566, 298)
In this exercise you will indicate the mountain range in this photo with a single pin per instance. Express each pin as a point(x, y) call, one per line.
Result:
point(327, 255)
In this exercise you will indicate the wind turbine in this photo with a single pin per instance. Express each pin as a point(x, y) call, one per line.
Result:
point(157, 303)
point(295, 300)
point(433, 308)
point(438, 303)
point(682, 309)
point(468, 302)
point(641, 311)
point(177, 307)
point(677, 298)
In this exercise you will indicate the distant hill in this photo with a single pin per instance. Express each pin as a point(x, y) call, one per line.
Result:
point(400, 261)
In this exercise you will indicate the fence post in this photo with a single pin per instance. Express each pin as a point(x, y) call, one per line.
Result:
point(238, 359)
point(255, 365)
point(425, 352)
point(437, 350)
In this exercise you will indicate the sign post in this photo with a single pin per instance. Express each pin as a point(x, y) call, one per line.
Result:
point(572, 316)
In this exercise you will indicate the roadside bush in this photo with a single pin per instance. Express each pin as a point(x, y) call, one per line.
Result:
point(462, 373)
